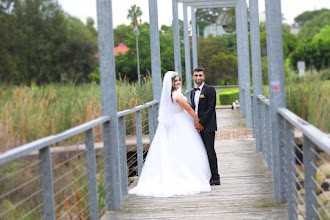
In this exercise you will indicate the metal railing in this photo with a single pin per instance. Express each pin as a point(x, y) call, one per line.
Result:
point(52, 178)
point(304, 161)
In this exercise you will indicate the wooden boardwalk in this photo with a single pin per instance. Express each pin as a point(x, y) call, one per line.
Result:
point(246, 190)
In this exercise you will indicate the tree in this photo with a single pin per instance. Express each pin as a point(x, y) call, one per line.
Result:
point(126, 63)
point(218, 56)
point(313, 26)
point(40, 43)
point(122, 33)
point(315, 53)
point(134, 13)
point(308, 15)
point(290, 41)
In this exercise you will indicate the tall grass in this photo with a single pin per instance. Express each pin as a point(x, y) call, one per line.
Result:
point(308, 97)
point(30, 113)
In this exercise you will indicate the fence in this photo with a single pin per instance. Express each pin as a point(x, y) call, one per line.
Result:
point(62, 176)
point(304, 161)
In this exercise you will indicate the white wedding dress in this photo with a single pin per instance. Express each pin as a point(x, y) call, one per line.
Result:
point(177, 162)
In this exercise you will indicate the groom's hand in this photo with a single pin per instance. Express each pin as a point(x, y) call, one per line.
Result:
point(199, 127)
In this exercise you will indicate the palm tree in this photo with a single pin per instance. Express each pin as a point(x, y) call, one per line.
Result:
point(134, 13)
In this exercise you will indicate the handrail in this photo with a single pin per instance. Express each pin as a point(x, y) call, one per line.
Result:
point(45, 157)
point(264, 100)
point(44, 142)
point(314, 134)
point(135, 109)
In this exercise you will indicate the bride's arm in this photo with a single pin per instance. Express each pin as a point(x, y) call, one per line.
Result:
point(184, 104)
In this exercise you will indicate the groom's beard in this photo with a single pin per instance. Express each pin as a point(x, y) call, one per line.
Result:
point(199, 82)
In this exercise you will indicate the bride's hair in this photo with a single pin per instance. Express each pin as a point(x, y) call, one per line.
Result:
point(172, 90)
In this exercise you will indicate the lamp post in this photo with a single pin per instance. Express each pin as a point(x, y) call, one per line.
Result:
point(137, 53)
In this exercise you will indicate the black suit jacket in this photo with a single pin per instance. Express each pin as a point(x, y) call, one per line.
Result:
point(206, 108)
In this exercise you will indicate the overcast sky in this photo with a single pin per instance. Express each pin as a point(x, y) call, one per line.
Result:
point(87, 8)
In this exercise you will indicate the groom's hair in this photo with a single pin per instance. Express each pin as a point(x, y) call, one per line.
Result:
point(198, 69)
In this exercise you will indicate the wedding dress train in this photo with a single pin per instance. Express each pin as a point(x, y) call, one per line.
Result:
point(177, 162)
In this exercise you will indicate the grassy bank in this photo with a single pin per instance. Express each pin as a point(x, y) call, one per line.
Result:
point(30, 113)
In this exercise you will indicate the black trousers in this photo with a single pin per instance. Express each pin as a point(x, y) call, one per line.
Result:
point(208, 139)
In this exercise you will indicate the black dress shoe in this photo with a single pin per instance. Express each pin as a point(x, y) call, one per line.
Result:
point(214, 182)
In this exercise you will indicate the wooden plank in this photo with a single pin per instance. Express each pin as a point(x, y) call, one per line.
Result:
point(246, 190)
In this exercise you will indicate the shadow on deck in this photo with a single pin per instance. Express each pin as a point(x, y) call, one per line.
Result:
point(246, 190)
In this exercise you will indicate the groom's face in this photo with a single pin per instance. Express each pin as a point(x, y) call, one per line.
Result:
point(199, 77)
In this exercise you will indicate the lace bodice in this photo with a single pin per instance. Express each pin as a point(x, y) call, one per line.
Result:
point(176, 106)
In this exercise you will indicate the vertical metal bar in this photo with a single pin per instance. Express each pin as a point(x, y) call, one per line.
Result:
point(252, 112)
point(309, 181)
point(46, 181)
point(113, 197)
point(256, 66)
point(151, 123)
point(193, 38)
point(283, 161)
point(155, 50)
point(109, 104)
point(268, 139)
point(91, 174)
point(186, 47)
point(239, 56)
point(139, 146)
point(261, 129)
point(123, 155)
point(176, 38)
point(292, 189)
point(276, 85)
point(155, 113)
point(246, 63)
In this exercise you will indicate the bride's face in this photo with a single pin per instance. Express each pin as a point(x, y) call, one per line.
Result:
point(177, 83)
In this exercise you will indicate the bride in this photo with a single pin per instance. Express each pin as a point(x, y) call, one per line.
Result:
point(177, 162)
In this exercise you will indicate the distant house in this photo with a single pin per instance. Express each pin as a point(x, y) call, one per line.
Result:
point(120, 49)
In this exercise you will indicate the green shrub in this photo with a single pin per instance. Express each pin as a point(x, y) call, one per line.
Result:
point(227, 98)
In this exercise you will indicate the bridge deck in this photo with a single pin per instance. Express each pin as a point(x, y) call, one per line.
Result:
point(246, 190)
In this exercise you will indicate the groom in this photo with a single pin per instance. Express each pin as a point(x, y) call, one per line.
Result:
point(203, 99)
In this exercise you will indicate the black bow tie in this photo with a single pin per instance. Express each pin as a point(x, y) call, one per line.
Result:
point(197, 89)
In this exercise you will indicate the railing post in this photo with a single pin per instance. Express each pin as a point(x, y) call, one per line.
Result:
point(151, 123)
point(309, 181)
point(155, 110)
point(123, 155)
point(139, 145)
point(261, 128)
point(291, 171)
point(111, 167)
point(91, 174)
point(253, 119)
point(283, 161)
point(268, 138)
point(46, 180)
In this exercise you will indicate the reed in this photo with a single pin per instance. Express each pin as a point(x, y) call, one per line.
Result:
point(30, 113)
point(308, 97)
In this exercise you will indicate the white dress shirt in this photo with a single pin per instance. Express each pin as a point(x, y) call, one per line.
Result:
point(196, 98)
